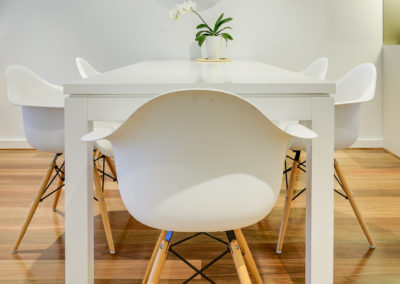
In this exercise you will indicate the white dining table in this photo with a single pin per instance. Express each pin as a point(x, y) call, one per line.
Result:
point(280, 94)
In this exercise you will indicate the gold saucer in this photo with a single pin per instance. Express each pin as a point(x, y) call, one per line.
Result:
point(214, 60)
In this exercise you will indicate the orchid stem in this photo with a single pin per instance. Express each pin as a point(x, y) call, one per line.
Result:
point(194, 11)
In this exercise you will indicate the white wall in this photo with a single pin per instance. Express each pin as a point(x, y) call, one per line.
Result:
point(391, 99)
point(46, 35)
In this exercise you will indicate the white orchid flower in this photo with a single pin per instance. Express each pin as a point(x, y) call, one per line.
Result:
point(174, 13)
point(191, 5)
point(182, 9)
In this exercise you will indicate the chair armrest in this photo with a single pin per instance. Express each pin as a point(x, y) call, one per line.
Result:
point(359, 101)
point(98, 134)
point(300, 131)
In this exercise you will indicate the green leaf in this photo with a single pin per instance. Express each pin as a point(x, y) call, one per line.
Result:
point(218, 25)
point(200, 40)
point(201, 32)
point(218, 20)
point(201, 26)
point(218, 32)
point(226, 37)
point(200, 36)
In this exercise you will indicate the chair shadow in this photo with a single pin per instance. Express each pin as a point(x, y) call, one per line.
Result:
point(134, 240)
point(292, 251)
point(121, 224)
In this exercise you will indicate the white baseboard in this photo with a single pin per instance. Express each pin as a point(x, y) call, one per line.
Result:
point(14, 144)
point(23, 144)
point(368, 143)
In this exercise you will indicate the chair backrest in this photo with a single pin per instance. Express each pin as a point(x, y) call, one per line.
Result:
point(26, 88)
point(318, 69)
point(185, 139)
point(358, 85)
point(42, 108)
point(354, 88)
point(85, 69)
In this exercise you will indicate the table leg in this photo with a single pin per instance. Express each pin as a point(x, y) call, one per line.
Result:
point(79, 252)
point(319, 200)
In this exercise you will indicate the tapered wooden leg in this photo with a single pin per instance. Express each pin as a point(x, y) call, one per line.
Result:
point(248, 258)
point(35, 204)
point(103, 209)
point(288, 203)
point(96, 154)
point(153, 256)
point(162, 251)
point(110, 164)
point(353, 203)
point(239, 262)
point(58, 193)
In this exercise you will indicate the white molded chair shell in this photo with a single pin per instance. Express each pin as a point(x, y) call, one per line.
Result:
point(26, 88)
point(357, 86)
point(318, 69)
point(354, 88)
point(85, 69)
point(104, 146)
point(198, 160)
point(42, 108)
point(44, 128)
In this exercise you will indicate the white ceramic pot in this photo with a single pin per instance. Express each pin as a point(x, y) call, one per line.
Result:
point(213, 44)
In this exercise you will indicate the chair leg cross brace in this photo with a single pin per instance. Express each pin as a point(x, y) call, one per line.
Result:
point(107, 160)
point(199, 271)
point(301, 165)
point(236, 242)
point(339, 177)
point(58, 173)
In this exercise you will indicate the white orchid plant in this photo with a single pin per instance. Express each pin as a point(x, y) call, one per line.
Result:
point(204, 29)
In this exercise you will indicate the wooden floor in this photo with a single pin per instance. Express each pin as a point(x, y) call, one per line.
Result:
point(374, 176)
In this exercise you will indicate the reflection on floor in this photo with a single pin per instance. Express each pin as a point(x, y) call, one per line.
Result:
point(373, 175)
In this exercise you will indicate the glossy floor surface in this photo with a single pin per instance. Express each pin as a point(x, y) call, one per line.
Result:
point(373, 175)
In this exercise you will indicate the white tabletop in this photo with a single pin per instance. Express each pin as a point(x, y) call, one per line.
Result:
point(238, 76)
point(278, 93)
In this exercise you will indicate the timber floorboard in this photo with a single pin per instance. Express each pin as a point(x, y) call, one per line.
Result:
point(373, 176)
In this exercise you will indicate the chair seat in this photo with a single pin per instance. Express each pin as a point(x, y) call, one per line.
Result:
point(192, 210)
point(298, 144)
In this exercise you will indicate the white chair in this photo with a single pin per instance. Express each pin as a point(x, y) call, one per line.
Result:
point(355, 88)
point(85, 69)
point(43, 117)
point(199, 161)
point(318, 69)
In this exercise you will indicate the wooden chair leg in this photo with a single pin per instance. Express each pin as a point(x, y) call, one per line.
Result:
point(58, 193)
point(35, 204)
point(239, 262)
point(111, 165)
point(288, 203)
point(153, 256)
point(248, 258)
point(353, 203)
point(103, 209)
point(96, 154)
point(159, 261)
